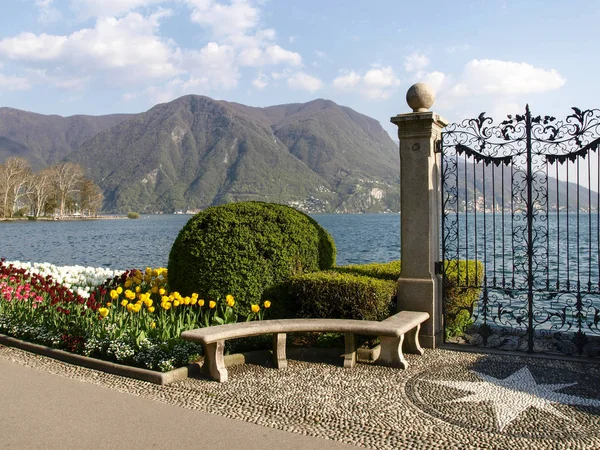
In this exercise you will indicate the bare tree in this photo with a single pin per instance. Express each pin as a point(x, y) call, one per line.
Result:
point(66, 180)
point(91, 197)
point(39, 190)
point(14, 175)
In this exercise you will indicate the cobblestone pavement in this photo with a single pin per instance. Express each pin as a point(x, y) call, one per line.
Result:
point(444, 400)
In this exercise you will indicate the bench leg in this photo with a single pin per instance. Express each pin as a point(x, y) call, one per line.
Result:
point(391, 352)
point(412, 341)
point(279, 356)
point(350, 351)
point(214, 364)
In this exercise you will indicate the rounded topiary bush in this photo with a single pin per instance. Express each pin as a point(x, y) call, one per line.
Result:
point(245, 249)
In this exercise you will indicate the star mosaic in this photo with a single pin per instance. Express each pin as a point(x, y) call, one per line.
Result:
point(511, 396)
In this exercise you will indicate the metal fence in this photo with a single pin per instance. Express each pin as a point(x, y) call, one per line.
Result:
point(522, 198)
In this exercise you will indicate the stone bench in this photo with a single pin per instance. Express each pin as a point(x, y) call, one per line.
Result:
point(390, 331)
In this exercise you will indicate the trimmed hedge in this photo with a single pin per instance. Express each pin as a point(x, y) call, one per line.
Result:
point(383, 271)
point(462, 283)
point(368, 292)
point(246, 248)
point(338, 295)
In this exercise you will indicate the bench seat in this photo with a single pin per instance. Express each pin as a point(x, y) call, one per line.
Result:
point(391, 332)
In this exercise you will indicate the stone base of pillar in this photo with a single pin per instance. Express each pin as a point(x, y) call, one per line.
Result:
point(419, 294)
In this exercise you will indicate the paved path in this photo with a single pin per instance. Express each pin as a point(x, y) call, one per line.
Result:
point(444, 400)
point(45, 411)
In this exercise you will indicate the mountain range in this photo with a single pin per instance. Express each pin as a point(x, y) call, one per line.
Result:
point(195, 152)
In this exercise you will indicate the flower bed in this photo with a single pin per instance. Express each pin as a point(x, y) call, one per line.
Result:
point(130, 318)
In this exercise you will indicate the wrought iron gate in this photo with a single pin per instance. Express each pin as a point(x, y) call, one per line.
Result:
point(520, 232)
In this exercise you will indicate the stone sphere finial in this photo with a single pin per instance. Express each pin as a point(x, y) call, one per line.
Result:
point(420, 97)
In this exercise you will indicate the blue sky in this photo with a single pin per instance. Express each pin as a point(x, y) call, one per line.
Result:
point(105, 56)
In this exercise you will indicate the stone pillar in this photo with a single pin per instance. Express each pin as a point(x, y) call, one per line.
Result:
point(419, 287)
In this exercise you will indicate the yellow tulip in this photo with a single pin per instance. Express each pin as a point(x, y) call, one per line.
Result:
point(255, 308)
point(148, 302)
point(267, 304)
point(201, 302)
point(154, 289)
point(187, 300)
point(103, 311)
point(161, 292)
point(138, 289)
point(119, 290)
point(212, 304)
point(136, 308)
point(148, 270)
point(114, 295)
point(128, 283)
point(193, 301)
point(151, 309)
point(195, 295)
point(129, 294)
point(124, 303)
point(165, 299)
point(176, 303)
point(108, 304)
point(155, 273)
point(230, 301)
point(152, 324)
point(166, 306)
point(130, 307)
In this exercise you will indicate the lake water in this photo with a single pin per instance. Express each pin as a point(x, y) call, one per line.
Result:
point(127, 244)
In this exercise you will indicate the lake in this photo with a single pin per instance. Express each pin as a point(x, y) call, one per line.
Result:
point(128, 244)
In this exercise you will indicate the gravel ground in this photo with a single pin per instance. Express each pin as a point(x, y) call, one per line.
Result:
point(444, 400)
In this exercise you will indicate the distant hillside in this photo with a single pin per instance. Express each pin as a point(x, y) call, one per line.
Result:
point(195, 152)
point(479, 181)
point(46, 140)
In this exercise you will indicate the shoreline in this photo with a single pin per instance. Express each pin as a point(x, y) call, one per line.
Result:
point(61, 219)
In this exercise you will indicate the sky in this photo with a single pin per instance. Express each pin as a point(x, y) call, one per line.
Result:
point(124, 56)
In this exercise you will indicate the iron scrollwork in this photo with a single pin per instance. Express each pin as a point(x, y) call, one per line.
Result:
point(502, 206)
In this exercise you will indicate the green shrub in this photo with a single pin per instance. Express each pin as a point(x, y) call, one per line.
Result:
point(133, 215)
point(337, 295)
point(245, 249)
point(383, 271)
point(463, 281)
point(330, 294)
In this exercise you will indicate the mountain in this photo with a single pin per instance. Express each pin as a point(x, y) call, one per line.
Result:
point(45, 140)
point(487, 188)
point(195, 152)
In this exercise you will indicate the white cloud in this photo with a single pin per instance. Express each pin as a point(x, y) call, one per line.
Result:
point(60, 80)
point(47, 13)
point(237, 18)
point(260, 82)
point(377, 83)
point(436, 80)
point(30, 47)
point(490, 76)
point(109, 8)
point(271, 55)
point(214, 66)
point(278, 55)
point(415, 62)
point(12, 83)
point(347, 81)
point(126, 49)
point(305, 82)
